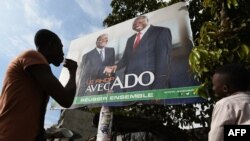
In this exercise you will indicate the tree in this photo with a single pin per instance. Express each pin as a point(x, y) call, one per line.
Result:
point(127, 9)
point(223, 38)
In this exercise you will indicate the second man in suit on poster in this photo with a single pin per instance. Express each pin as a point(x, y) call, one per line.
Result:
point(151, 54)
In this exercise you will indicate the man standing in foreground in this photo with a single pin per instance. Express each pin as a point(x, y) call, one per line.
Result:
point(230, 82)
point(147, 51)
point(27, 86)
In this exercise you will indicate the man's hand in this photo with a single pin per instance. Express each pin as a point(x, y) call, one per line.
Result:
point(71, 65)
point(108, 70)
point(114, 68)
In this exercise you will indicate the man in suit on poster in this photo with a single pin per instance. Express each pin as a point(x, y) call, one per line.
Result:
point(93, 66)
point(147, 50)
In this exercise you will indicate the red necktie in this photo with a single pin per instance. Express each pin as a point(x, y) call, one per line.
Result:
point(137, 40)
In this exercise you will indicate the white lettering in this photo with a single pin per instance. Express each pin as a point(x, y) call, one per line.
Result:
point(243, 131)
point(151, 75)
point(117, 82)
point(231, 132)
point(106, 86)
point(88, 89)
point(139, 79)
point(237, 131)
point(100, 87)
point(127, 80)
point(93, 87)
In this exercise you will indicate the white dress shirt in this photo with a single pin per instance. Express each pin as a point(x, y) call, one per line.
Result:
point(101, 51)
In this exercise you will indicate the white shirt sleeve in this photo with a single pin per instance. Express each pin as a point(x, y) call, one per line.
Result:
point(223, 114)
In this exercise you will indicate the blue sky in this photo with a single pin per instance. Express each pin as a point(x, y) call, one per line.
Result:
point(70, 19)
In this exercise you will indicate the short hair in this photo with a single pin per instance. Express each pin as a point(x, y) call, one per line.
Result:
point(43, 37)
point(142, 17)
point(102, 35)
point(236, 75)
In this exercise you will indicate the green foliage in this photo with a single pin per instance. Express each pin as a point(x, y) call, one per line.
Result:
point(222, 39)
point(198, 15)
point(127, 9)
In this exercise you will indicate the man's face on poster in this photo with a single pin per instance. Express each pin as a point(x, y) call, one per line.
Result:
point(102, 41)
point(139, 24)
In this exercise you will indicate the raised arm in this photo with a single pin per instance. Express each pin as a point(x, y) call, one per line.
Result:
point(46, 81)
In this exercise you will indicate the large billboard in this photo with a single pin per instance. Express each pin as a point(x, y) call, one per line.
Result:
point(119, 67)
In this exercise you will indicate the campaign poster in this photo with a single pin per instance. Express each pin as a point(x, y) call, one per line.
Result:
point(115, 69)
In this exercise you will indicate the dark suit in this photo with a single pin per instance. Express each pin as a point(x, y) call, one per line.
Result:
point(93, 68)
point(152, 55)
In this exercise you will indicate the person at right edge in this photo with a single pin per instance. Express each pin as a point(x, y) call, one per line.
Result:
point(231, 84)
point(27, 86)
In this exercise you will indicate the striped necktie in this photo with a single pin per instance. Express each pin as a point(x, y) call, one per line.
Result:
point(101, 54)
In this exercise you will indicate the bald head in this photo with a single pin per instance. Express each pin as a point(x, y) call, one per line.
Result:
point(140, 23)
point(44, 37)
point(102, 40)
point(50, 45)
